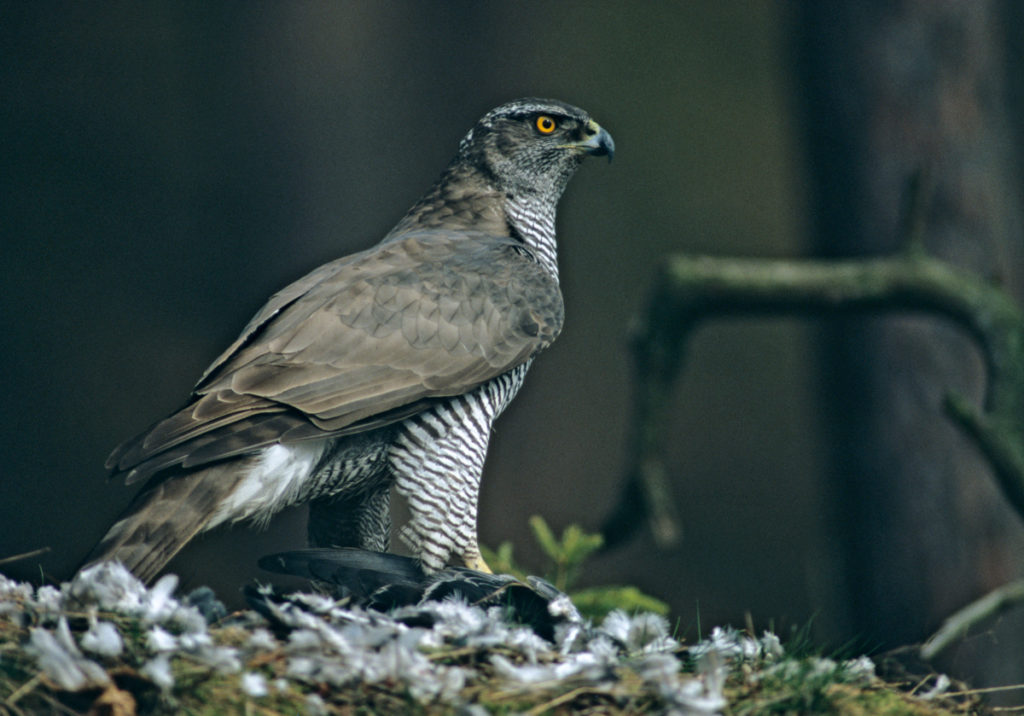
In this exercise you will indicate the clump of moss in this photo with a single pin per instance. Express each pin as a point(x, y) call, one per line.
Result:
point(171, 657)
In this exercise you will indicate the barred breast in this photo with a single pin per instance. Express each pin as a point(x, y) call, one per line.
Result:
point(437, 459)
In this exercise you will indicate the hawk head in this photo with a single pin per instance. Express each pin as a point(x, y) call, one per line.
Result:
point(533, 145)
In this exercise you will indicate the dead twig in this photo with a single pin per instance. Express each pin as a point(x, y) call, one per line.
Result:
point(957, 625)
point(25, 555)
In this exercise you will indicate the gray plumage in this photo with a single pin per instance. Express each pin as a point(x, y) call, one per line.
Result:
point(386, 367)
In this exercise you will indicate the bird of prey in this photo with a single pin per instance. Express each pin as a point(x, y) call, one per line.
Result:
point(385, 367)
point(383, 582)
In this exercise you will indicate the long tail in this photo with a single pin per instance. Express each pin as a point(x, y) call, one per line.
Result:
point(165, 517)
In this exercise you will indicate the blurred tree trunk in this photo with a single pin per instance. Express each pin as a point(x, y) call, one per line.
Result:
point(888, 89)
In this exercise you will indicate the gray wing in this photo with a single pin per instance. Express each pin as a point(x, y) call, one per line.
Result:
point(359, 343)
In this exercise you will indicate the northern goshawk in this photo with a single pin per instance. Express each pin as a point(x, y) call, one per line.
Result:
point(386, 367)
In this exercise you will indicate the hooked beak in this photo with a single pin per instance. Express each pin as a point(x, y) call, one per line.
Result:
point(598, 142)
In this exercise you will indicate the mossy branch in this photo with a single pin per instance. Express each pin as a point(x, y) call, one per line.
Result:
point(959, 624)
point(690, 290)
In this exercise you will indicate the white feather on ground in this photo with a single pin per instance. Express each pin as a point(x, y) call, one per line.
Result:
point(331, 644)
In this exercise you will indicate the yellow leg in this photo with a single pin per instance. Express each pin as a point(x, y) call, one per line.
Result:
point(477, 562)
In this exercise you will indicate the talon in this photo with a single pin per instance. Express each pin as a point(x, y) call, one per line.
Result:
point(477, 562)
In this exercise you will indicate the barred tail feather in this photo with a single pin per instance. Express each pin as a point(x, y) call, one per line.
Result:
point(165, 517)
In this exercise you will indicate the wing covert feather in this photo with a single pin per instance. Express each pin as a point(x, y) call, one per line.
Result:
point(363, 341)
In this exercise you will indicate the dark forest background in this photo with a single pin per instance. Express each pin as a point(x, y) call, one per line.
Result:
point(167, 166)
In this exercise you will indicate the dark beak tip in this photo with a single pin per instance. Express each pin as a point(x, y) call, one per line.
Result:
point(608, 145)
point(605, 146)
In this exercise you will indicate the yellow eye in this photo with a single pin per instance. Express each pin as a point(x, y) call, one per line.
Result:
point(545, 124)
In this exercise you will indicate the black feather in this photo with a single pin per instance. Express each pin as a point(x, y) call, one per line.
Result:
point(384, 581)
